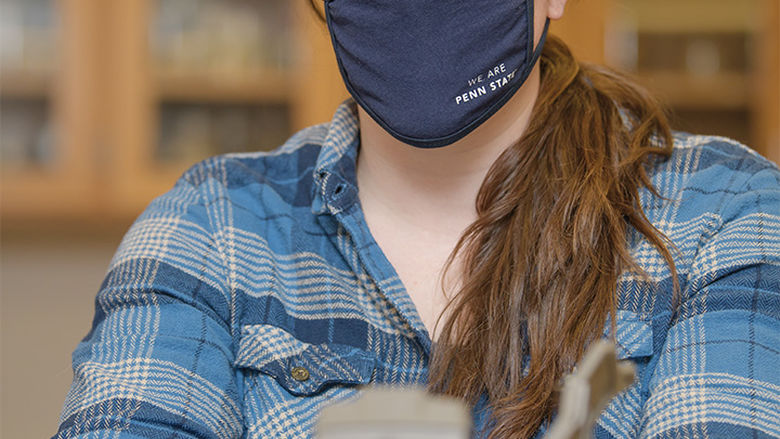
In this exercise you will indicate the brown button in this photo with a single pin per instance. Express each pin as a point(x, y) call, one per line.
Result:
point(300, 373)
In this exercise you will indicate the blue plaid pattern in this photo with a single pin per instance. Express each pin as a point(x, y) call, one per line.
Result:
point(254, 264)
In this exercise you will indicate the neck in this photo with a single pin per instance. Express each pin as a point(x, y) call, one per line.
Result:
point(437, 187)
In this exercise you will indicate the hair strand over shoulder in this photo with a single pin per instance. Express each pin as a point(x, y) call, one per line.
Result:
point(541, 263)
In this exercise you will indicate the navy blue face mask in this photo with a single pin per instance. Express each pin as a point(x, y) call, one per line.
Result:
point(431, 71)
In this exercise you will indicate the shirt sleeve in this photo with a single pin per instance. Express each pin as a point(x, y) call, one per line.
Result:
point(158, 359)
point(718, 373)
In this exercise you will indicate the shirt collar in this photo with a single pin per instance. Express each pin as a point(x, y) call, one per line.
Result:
point(335, 178)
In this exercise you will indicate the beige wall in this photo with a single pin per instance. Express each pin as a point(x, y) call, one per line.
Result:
point(47, 286)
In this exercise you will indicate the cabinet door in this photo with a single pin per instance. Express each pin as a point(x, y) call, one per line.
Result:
point(193, 79)
point(714, 64)
point(48, 99)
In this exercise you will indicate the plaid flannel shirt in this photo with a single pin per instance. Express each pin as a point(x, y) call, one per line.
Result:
point(254, 264)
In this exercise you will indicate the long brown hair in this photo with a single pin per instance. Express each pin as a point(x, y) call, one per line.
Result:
point(540, 265)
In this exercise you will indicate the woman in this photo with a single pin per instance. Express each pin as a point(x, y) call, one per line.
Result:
point(511, 207)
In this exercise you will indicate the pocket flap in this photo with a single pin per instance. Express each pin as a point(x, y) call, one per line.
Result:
point(634, 336)
point(301, 368)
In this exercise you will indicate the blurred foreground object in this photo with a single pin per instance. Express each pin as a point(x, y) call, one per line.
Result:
point(396, 414)
point(587, 391)
point(412, 413)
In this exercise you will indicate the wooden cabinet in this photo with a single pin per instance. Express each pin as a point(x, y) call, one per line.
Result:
point(106, 103)
point(713, 63)
point(140, 90)
point(206, 78)
point(46, 126)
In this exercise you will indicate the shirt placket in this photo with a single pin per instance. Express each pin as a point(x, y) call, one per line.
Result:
point(340, 201)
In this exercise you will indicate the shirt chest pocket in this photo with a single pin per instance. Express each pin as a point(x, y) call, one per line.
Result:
point(633, 342)
point(302, 369)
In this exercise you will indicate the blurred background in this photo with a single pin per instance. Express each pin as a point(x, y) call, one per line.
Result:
point(103, 104)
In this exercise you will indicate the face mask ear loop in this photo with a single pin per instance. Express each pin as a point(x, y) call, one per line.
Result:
point(540, 46)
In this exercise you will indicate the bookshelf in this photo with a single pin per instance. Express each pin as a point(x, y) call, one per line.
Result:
point(45, 109)
point(704, 60)
point(105, 104)
point(715, 64)
point(207, 77)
